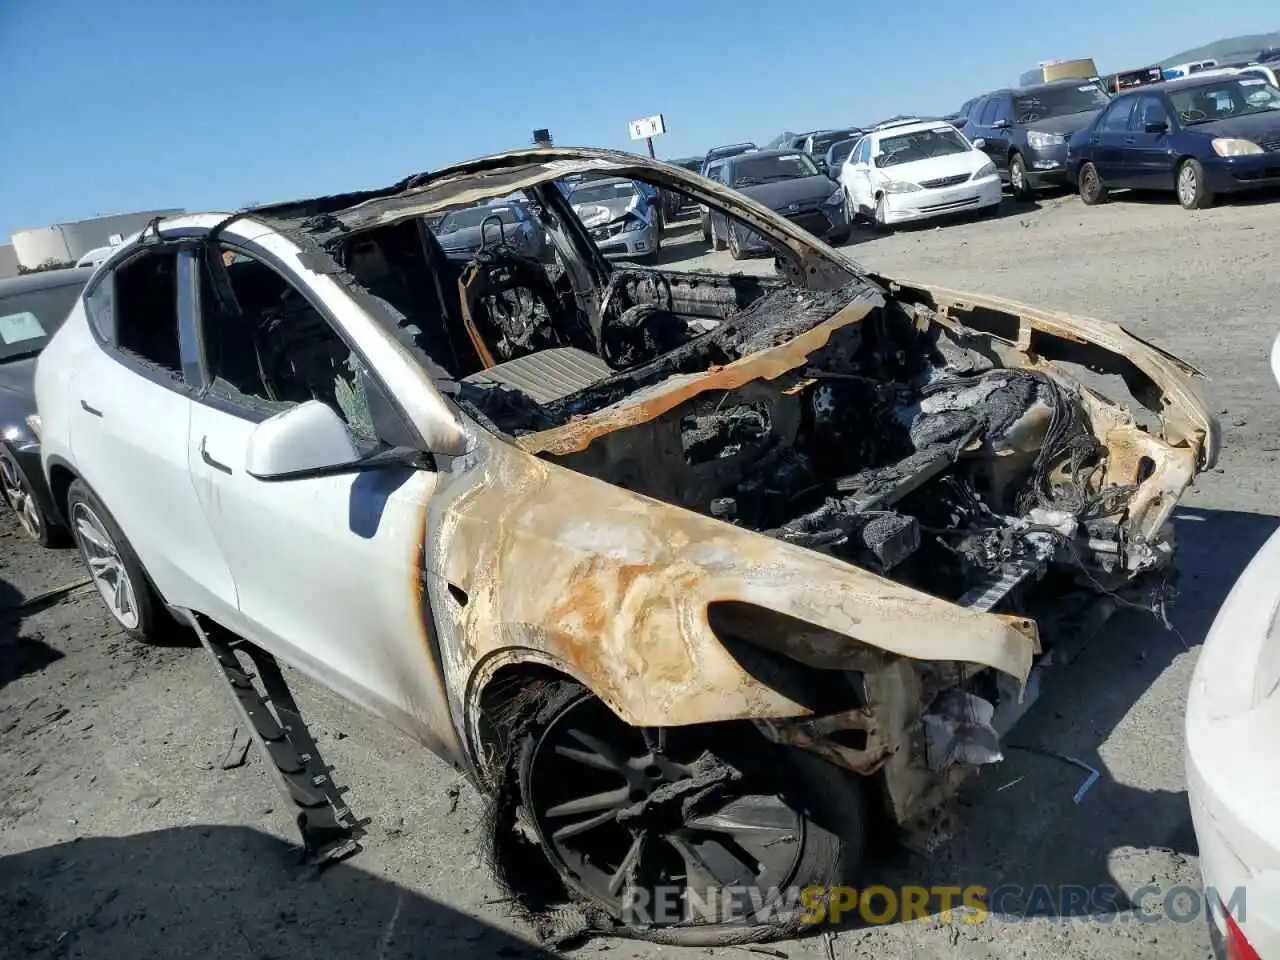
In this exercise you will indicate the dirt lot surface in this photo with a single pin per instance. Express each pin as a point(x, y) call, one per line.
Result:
point(121, 833)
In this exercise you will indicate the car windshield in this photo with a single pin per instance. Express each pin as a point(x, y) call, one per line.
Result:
point(1231, 97)
point(474, 216)
point(921, 145)
point(822, 142)
point(1046, 102)
point(786, 166)
point(601, 192)
point(28, 319)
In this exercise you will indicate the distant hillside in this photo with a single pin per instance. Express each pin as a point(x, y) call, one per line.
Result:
point(1231, 48)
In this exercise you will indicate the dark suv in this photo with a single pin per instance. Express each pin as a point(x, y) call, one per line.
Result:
point(1025, 130)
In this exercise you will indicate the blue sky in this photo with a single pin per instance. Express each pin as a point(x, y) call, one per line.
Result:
point(114, 107)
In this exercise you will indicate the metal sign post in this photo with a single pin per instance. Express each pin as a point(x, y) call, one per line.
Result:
point(646, 128)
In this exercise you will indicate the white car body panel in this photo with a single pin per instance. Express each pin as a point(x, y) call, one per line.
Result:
point(323, 567)
point(329, 571)
point(1232, 726)
point(139, 463)
point(863, 182)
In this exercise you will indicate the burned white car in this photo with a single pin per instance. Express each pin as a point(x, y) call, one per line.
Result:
point(698, 576)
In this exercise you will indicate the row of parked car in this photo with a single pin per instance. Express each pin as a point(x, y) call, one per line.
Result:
point(1212, 132)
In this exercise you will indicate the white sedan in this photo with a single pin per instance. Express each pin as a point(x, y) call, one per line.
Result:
point(916, 170)
point(1233, 722)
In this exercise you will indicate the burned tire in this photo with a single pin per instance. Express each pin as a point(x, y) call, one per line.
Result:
point(117, 572)
point(1092, 190)
point(653, 826)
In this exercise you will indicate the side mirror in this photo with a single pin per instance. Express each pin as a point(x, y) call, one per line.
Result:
point(1001, 125)
point(980, 144)
point(1159, 126)
point(306, 440)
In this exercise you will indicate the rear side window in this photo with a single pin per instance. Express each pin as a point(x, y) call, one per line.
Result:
point(144, 310)
point(989, 110)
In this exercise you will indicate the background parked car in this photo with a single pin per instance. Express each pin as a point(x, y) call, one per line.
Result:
point(462, 232)
point(1198, 137)
point(1271, 74)
point(32, 307)
point(1128, 79)
point(714, 171)
point(788, 182)
point(818, 143)
point(621, 215)
point(958, 118)
point(688, 163)
point(914, 171)
point(837, 153)
point(728, 150)
point(1025, 130)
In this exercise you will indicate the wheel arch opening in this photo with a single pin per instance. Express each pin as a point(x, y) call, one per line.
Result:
point(60, 479)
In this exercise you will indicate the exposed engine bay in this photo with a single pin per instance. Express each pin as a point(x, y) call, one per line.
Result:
point(897, 446)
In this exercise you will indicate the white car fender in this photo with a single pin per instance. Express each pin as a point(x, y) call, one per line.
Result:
point(1275, 358)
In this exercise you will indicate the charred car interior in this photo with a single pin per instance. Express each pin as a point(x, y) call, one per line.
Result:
point(968, 506)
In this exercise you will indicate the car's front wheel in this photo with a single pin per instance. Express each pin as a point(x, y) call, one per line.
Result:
point(1092, 190)
point(881, 214)
point(654, 824)
point(116, 571)
point(1018, 185)
point(1193, 187)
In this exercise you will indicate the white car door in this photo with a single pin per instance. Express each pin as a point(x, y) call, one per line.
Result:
point(329, 570)
point(859, 178)
point(130, 409)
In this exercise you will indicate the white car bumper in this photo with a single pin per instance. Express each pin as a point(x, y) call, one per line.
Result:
point(925, 203)
point(1233, 778)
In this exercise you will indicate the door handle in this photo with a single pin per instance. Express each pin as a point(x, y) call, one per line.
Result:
point(88, 409)
point(204, 455)
point(1130, 140)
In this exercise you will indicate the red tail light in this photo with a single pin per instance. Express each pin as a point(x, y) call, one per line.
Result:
point(1238, 948)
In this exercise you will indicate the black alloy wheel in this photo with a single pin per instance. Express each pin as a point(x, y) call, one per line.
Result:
point(638, 818)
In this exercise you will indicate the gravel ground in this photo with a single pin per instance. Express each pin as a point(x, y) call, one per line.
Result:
point(121, 833)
